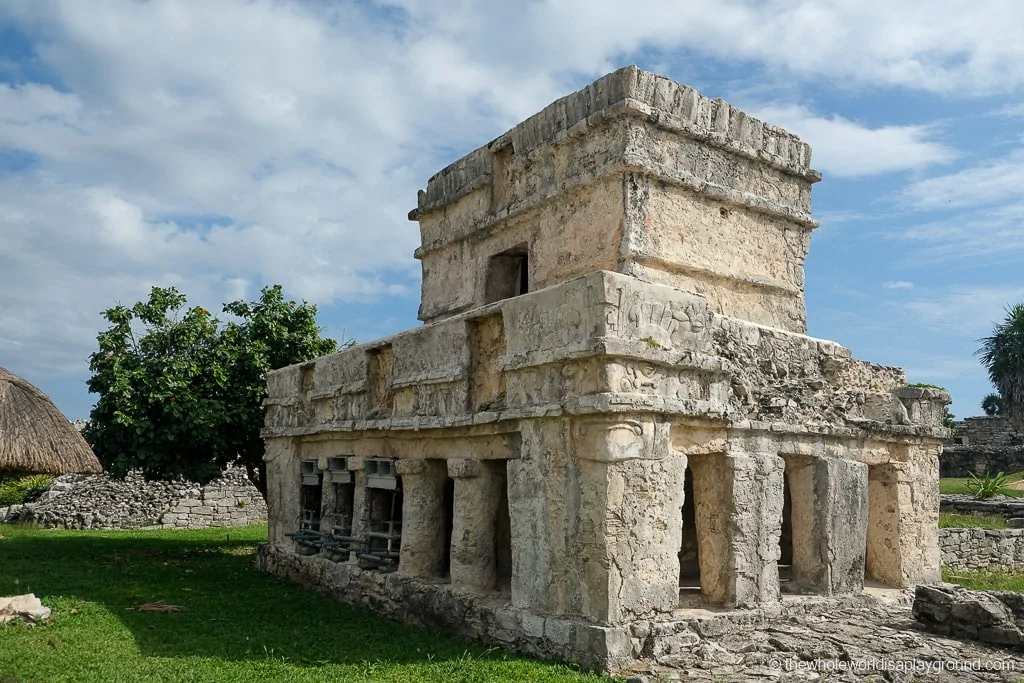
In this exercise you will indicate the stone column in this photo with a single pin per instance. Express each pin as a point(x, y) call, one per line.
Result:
point(829, 518)
point(903, 517)
point(423, 516)
point(625, 548)
point(283, 490)
point(474, 524)
point(738, 505)
point(327, 501)
point(360, 514)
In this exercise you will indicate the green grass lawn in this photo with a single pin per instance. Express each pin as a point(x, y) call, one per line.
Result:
point(238, 624)
point(992, 581)
point(958, 485)
point(977, 521)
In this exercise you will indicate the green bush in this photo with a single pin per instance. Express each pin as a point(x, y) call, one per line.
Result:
point(987, 486)
point(17, 490)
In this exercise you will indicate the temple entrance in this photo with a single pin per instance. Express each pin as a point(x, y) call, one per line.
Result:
point(383, 516)
point(447, 518)
point(503, 543)
point(689, 552)
point(786, 584)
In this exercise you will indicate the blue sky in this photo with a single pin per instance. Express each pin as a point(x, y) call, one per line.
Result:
point(220, 147)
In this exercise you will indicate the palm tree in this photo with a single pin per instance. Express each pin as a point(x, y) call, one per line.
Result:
point(1002, 354)
point(992, 405)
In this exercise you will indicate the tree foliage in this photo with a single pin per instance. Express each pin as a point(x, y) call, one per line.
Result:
point(992, 405)
point(1002, 354)
point(180, 393)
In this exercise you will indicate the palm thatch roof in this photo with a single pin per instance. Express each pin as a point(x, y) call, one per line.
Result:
point(35, 437)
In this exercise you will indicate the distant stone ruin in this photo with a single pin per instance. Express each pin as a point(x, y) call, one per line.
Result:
point(612, 413)
point(983, 445)
point(75, 501)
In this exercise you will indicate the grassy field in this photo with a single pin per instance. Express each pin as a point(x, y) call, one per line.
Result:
point(237, 625)
point(976, 521)
point(956, 485)
point(993, 581)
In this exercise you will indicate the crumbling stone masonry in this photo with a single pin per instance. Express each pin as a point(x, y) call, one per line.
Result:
point(613, 299)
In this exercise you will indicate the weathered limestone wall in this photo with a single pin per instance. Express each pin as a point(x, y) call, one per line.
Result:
point(613, 298)
point(982, 550)
point(983, 445)
point(633, 159)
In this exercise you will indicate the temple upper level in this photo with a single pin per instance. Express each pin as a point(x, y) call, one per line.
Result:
point(634, 174)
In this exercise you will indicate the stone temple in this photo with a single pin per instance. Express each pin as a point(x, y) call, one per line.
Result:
point(612, 415)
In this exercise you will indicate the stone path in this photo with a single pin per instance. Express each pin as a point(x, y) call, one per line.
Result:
point(857, 643)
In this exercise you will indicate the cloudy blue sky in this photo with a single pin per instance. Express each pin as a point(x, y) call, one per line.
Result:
point(221, 146)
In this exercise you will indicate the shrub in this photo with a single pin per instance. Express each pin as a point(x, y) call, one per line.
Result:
point(18, 490)
point(987, 486)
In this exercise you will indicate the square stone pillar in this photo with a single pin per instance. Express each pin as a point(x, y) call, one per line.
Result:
point(903, 517)
point(738, 508)
point(478, 487)
point(328, 501)
point(423, 517)
point(360, 514)
point(630, 523)
point(829, 517)
point(283, 490)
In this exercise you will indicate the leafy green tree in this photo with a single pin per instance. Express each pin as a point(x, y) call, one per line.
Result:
point(992, 405)
point(1002, 354)
point(180, 394)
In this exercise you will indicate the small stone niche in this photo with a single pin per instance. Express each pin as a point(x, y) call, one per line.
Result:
point(383, 521)
point(381, 365)
point(508, 274)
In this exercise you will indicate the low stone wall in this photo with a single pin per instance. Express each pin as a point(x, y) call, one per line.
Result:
point(100, 502)
point(1000, 506)
point(982, 549)
point(988, 616)
point(679, 638)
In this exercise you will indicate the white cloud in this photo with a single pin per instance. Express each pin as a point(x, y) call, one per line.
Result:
point(974, 238)
point(847, 149)
point(898, 284)
point(962, 311)
point(944, 46)
point(296, 134)
point(988, 182)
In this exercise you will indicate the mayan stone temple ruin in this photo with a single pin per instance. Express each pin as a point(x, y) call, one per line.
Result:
point(612, 415)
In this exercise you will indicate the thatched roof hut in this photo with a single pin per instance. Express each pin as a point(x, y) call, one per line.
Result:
point(35, 437)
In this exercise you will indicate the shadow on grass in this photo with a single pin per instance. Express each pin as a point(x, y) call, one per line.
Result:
point(232, 612)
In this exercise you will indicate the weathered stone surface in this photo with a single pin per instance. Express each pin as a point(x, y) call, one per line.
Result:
point(26, 607)
point(101, 502)
point(613, 299)
point(982, 550)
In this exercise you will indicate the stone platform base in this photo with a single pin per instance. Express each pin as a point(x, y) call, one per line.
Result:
point(492, 619)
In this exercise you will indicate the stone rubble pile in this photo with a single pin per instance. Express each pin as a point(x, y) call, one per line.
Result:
point(102, 502)
point(989, 616)
point(855, 641)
